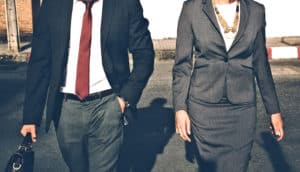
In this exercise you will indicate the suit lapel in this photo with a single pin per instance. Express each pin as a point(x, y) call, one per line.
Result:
point(65, 14)
point(107, 13)
point(244, 14)
point(68, 9)
point(209, 11)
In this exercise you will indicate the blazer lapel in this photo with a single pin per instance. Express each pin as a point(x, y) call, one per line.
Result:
point(209, 11)
point(65, 14)
point(107, 12)
point(244, 14)
point(69, 8)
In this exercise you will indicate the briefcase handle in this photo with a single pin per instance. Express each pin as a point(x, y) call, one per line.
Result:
point(23, 158)
point(27, 141)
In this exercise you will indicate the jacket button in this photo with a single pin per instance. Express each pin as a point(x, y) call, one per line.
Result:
point(225, 59)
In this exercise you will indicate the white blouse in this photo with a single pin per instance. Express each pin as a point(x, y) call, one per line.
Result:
point(227, 11)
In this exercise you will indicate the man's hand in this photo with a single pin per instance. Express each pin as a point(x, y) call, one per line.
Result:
point(29, 128)
point(277, 126)
point(183, 125)
point(122, 104)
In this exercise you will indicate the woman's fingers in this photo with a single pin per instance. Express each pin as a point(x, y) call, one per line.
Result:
point(279, 132)
point(277, 125)
point(188, 126)
point(183, 125)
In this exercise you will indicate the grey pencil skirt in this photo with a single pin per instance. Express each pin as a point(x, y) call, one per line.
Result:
point(223, 133)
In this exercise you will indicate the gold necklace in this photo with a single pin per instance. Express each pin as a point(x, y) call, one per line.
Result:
point(223, 23)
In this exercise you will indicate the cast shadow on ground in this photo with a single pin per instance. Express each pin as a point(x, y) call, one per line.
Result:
point(266, 141)
point(147, 137)
point(12, 80)
point(274, 152)
point(12, 87)
point(192, 156)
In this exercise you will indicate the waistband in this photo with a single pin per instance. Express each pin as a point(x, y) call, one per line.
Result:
point(90, 97)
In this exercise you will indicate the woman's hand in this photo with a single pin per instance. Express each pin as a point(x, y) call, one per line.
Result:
point(277, 126)
point(183, 125)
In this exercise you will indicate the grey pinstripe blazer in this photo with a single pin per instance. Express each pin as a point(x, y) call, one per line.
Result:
point(217, 72)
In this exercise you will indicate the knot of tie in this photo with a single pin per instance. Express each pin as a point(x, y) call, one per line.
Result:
point(88, 3)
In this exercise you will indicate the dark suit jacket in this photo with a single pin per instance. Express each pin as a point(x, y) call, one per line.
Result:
point(123, 29)
point(217, 72)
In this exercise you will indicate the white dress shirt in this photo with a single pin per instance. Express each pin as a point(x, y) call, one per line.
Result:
point(228, 11)
point(98, 80)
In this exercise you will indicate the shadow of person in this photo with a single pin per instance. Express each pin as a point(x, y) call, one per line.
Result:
point(274, 151)
point(12, 87)
point(147, 138)
point(191, 152)
point(192, 155)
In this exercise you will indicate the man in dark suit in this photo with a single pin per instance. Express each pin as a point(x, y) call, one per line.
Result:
point(79, 63)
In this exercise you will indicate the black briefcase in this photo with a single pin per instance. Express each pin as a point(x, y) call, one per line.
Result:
point(23, 159)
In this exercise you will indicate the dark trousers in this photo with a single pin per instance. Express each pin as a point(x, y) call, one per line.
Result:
point(90, 134)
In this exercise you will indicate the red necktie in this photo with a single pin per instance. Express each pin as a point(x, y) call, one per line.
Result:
point(83, 66)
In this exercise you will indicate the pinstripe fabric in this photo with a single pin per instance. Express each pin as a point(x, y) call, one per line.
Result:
point(223, 133)
point(205, 72)
point(214, 70)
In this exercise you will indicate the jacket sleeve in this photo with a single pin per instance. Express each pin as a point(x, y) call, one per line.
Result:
point(141, 47)
point(38, 71)
point(263, 72)
point(182, 68)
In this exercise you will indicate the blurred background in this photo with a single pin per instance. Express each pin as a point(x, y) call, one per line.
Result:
point(152, 145)
point(282, 17)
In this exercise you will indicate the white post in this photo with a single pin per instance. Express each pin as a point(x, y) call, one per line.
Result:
point(12, 27)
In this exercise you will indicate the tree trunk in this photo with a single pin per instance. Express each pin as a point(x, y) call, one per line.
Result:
point(12, 27)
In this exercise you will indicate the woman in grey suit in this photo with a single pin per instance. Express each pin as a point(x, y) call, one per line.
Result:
point(214, 93)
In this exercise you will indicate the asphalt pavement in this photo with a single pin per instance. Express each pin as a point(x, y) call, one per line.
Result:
point(152, 145)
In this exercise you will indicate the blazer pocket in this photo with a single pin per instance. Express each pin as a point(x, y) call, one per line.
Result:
point(247, 67)
point(198, 66)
